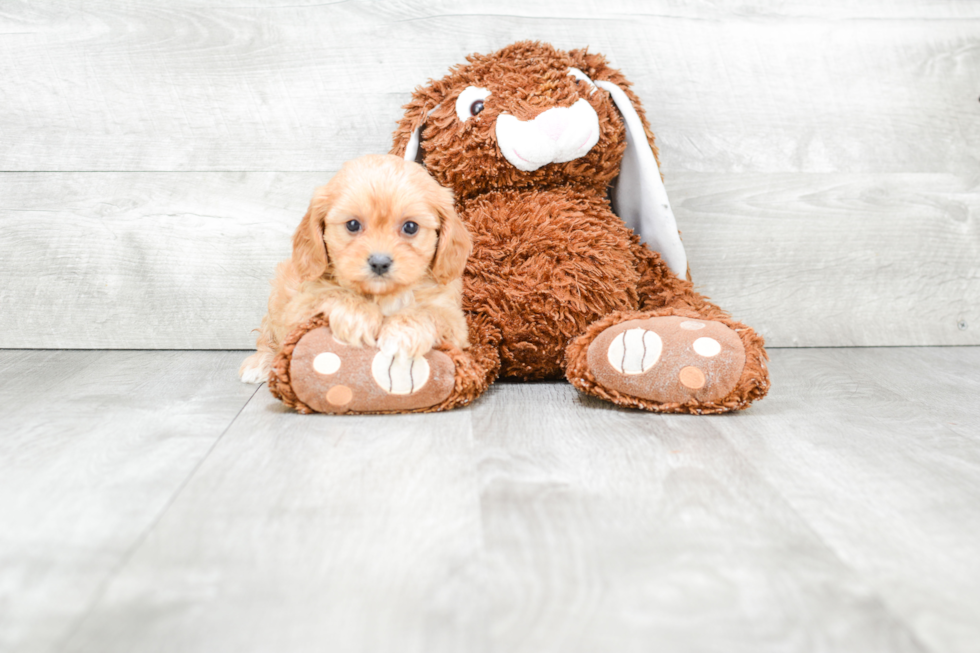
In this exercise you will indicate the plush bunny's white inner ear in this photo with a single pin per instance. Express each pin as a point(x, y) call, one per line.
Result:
point(578, 74)
point(639, 197)
point(412, 149)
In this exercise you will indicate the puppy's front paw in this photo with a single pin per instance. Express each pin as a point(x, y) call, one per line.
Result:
point(256, 368)
point(406, 337)
point(356, 327)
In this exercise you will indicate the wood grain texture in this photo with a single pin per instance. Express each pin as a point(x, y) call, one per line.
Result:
point(609, 529)
point(93, 447)
point(939, 380)
point(310, 533)
point(751, 87)
point(165, 260)
point(838, 259)
point(879, 451)
point(838, 515)
point(182, 260)
point(822, 157)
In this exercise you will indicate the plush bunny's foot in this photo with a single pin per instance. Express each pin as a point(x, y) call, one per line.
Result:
point(328, 376)
point(669, 363)
point(315, 373)
point(668, 359)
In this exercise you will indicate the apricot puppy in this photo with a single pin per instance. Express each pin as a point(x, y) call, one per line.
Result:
point(381, 253)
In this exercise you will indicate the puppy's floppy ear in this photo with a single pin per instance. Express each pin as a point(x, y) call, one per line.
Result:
point(454, 239)
point(309, 250)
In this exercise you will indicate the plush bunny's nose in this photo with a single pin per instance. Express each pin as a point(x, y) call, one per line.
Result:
point(556, 135)
point(552, 123)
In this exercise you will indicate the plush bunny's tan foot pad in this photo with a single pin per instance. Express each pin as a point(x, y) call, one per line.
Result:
point(331, 377)
point(668, 359)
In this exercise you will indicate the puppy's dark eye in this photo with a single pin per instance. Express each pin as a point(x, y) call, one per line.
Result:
point(353, 226)
point(410, 228)
point(476, 107)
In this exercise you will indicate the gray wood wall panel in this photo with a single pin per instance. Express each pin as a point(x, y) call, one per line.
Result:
point(838, 259)
point(183, 260)
point(823, 158)
point(144, 260)
point(755, 87)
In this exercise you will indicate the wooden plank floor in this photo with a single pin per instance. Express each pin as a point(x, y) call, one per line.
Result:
point(149, 502)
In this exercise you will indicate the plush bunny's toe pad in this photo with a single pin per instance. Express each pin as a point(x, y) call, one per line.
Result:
point(332, 377)
point(669, 359)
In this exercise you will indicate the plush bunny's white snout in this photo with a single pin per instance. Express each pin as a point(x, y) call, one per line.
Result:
point(554, 136)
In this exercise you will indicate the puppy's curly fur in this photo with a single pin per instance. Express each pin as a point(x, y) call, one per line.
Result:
point(380, 253)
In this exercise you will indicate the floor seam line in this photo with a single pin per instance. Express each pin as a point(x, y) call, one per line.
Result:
point(138, 542)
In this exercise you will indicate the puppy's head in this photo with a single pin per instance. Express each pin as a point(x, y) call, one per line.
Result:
point(380, 226)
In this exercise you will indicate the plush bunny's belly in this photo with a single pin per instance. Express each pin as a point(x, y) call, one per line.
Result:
point(545, 265)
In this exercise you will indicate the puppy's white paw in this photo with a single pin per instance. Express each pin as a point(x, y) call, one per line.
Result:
point(256, 368)
point(355, 327)
point(406, 338)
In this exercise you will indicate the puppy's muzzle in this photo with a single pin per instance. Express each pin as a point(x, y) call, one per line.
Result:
point(379, 264)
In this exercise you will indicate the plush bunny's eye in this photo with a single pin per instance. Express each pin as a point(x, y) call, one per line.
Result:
point(470, 102)
point(581, 77)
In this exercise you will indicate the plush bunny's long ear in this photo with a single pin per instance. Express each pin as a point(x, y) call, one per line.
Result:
point(412, 151)
point(639, 197)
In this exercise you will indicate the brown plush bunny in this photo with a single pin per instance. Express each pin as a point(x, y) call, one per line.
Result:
point(577, 268)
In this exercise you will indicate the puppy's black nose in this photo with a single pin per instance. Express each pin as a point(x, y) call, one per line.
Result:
point(380, 263)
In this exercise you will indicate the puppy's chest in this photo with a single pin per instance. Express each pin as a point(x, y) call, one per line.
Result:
point(391, 304)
